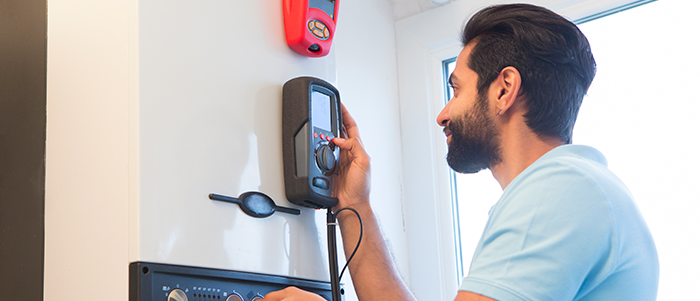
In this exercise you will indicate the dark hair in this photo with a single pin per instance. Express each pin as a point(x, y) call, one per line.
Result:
point(552, 55)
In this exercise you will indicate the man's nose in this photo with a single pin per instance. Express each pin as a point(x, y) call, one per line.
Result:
point(444, 115)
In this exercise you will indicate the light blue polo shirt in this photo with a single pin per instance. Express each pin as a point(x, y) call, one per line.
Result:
point(566, 228)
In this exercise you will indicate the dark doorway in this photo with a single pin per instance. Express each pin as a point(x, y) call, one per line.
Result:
point(22, 147)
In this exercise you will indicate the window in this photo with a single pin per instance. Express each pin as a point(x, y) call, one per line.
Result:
point(640, 112)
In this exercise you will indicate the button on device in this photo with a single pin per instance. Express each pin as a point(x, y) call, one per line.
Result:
point(323, 137)
point(318, 29)
point(315, 135)
point(314, 48)
point(321, 183)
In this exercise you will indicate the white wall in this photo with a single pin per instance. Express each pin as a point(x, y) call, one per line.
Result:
point(152, 105)
point(86, 209)
point(209, 121)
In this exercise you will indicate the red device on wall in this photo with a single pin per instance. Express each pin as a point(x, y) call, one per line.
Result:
point(310, 25)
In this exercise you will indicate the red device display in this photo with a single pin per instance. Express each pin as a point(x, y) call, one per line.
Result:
point(310, 25)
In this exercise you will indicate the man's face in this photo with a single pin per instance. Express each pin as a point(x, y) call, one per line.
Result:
point(472, 135)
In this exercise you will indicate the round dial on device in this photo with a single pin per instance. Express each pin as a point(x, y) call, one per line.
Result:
point(325, 158)
point(234, 297)
point(177, 295)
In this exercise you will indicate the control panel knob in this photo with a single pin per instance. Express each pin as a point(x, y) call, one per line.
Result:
point(177, 295)
point(256, 298)
point(234, 297)
point(325, 158)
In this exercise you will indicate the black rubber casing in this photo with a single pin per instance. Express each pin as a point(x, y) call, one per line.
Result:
point(301, 170)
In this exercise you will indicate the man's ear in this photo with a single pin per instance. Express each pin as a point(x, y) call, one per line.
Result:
point(506, 88)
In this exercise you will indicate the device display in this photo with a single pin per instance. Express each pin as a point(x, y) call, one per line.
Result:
point(310, 120)
point(310, 25)
point(327, 6)
point(321, 110)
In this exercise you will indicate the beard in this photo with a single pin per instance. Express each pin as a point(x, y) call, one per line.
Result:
point(474, 144)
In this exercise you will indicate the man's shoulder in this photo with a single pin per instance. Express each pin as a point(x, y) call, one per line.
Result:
point(572, 158)
point(567, 170)
point(572, 182)
point(566, 220)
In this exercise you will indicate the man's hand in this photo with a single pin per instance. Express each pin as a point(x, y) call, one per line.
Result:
point(292, 293)
point(352, 185)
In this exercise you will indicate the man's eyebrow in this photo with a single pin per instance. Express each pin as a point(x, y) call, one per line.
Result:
point(452, 79)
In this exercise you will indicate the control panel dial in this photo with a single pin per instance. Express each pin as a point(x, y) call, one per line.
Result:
point(177, 295)
point(325, 158)
point(234, 297)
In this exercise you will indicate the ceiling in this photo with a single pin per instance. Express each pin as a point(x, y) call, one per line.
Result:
point(407, 8)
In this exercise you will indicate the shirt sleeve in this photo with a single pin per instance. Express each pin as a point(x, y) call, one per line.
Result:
point(544, 237)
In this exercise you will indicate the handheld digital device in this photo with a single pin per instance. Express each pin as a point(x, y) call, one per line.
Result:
point(310, 119)
point(310, 25)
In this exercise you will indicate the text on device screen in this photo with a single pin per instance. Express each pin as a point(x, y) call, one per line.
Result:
point(321, 110)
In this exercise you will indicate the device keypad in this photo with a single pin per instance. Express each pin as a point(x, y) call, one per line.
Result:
point(319, 29)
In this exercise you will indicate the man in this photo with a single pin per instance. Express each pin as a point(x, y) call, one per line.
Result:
point(565, 228)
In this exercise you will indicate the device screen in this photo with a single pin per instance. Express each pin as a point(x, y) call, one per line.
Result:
point(321, 110)
point(327, 6)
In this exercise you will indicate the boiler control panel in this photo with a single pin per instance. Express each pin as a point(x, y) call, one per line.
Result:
point(162, 282)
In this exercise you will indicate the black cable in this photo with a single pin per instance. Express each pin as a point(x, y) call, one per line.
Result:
point(333, 253)
point(359, 240)
point(332, 256)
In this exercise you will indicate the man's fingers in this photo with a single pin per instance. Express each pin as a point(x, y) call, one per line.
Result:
point(292, 294)
point(282, 294)
point(353, 153)
point(353, 145)
point(274, 296)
